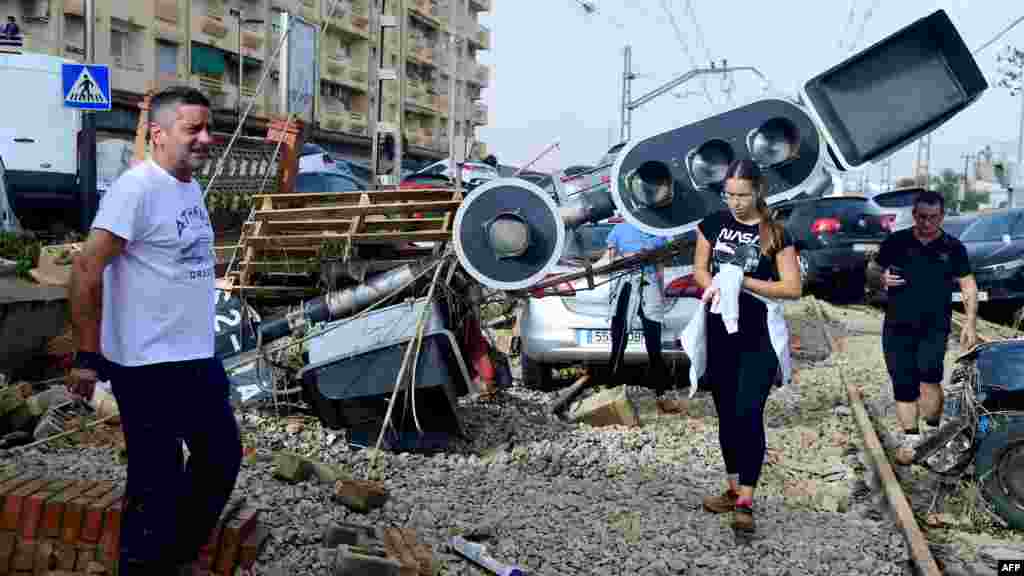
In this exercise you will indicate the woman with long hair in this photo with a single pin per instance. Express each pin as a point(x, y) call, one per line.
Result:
point(744, 359)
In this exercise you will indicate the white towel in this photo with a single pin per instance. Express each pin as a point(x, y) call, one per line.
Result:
point(729, 281)
point(695, 342)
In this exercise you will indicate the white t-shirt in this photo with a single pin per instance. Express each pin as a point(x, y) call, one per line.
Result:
point(158, 295)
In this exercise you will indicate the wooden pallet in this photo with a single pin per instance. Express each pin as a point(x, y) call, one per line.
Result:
point(288, 231)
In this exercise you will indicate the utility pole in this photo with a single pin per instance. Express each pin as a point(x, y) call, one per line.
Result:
point(626, 115)
point(403, 19)
point(87, 144)
point(963, 190)
point(453, 69)
point(1020, 150)
point(629, 105)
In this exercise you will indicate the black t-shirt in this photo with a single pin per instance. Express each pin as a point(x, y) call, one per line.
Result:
point(736, 243)
point(926, 300)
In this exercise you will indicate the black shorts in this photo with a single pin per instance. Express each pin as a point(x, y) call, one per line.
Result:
point(913, 355)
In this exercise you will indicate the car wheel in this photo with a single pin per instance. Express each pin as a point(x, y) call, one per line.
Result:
point(535, 375)
point(999, 466)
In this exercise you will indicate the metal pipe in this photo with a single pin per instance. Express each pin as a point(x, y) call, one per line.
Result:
point(340, 303)
point(1020, 148)
point(87, 143)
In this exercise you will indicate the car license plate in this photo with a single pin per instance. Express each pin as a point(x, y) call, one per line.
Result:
point(604, 337)
point(865, 247)
point(982, 296)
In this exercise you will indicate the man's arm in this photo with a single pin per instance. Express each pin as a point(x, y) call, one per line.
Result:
point(969, 291)
point(86, 290)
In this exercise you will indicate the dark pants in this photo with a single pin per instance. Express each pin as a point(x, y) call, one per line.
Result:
point(741, 370)
point(658, 376)
point(913, 355)
point(173, 505)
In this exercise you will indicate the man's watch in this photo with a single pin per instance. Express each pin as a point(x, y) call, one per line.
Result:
point(86, 360)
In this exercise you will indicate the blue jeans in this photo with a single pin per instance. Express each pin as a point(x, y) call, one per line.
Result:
point(172, 505)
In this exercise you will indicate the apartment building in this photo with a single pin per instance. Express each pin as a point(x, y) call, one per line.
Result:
point(200, 42)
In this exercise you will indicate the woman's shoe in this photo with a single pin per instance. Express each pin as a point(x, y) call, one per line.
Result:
point(722, 503)
point(743, 517)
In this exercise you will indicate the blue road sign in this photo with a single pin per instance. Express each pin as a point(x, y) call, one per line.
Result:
point(86, 86)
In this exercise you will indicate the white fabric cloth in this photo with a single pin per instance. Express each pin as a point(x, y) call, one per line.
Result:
point(694, 340)
point(729, 282)
point(158, 295)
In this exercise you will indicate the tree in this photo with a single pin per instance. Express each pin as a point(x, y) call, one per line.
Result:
point(1012, 76)
point(947, 183)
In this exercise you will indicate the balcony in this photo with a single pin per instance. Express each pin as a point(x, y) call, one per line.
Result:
point(425, 11)
point(481, 75)
point(221, 97)
point(479, 113)
point(481, 5)
point(350, 20)
point(484, 37)
point(357, 123)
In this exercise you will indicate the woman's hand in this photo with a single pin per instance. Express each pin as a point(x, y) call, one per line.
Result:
point(712, 295)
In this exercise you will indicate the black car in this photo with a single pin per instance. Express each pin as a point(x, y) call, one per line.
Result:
point(995, 248)
point(834, 237)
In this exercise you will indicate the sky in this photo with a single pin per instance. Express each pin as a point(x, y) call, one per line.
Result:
point(556, 71)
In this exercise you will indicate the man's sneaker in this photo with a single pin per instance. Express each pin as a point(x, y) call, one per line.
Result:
point(904, 453)
point(722, 503)
point(743, 517)
point(671, 406)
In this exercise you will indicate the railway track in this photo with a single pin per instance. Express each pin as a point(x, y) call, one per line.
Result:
point(920, 552)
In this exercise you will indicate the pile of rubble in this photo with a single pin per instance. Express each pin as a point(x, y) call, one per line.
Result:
point(558, 496)
point(47, 411)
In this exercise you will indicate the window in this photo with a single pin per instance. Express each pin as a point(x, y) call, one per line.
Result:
point(118, 43)
point(897, 198)
point(166, 58)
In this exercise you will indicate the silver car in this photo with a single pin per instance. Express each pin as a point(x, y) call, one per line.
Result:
point(570, 324)
point(898, 205)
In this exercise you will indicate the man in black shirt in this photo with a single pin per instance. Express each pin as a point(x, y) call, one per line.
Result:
point(917, 267)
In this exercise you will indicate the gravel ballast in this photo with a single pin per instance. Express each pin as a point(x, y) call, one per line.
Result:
point(560, 499)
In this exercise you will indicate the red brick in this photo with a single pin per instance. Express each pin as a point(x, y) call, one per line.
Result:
point(110, 542)
point(85, 555)
point(12, 484)
point(236, 530)
point(53, 511)
point(8, 541)
point(15, 501)
point(74, 512)
point(252, 547)
point(32, 512)
point(95, 515)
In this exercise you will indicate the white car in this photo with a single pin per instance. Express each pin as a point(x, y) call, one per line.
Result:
point(473, 173)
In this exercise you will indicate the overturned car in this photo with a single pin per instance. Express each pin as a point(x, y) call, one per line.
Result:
point(983, 424)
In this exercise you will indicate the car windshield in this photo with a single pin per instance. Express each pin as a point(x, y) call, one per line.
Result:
point(843, 207)
point(896, 198)
point(988, 228)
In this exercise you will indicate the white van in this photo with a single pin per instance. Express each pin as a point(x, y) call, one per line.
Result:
point(38, 135)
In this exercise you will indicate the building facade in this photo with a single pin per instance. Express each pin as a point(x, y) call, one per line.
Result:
point(200, 42)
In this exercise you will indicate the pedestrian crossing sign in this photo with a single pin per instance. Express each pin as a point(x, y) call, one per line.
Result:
point(86, 86)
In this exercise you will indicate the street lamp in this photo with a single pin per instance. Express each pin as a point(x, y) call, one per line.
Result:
point(241, 58)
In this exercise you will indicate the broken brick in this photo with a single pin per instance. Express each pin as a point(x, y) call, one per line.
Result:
point(32, 514)
point(74, 511)
point(110, 541)
point(236, 530)
point(15, 500)
point(606, 408)
point(53, 510)
point(92, 527)
point(360, 495)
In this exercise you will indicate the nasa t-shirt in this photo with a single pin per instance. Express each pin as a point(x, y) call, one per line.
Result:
point(740, 244)
point(158, 295)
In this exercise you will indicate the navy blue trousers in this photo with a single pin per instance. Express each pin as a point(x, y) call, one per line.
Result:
point(172, 505)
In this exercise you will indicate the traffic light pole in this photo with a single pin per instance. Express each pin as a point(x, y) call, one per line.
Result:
point(87, 140)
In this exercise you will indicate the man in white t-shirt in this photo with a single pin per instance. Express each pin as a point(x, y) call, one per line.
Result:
point(143, 308)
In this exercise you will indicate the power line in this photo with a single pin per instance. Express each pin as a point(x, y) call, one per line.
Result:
point(684, 45)
point(701, 45)
point(863, 24)
point(1000, 35)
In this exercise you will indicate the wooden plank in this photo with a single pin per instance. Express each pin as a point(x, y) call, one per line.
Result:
point(357, 210)
point(415, 195)
point(918, 546)
point(314, 241)
point(376, 265)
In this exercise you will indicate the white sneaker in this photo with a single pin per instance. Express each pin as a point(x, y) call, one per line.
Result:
point(904, 453)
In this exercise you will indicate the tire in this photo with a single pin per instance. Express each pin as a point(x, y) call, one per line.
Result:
point(999, 466)
point(535, 375)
